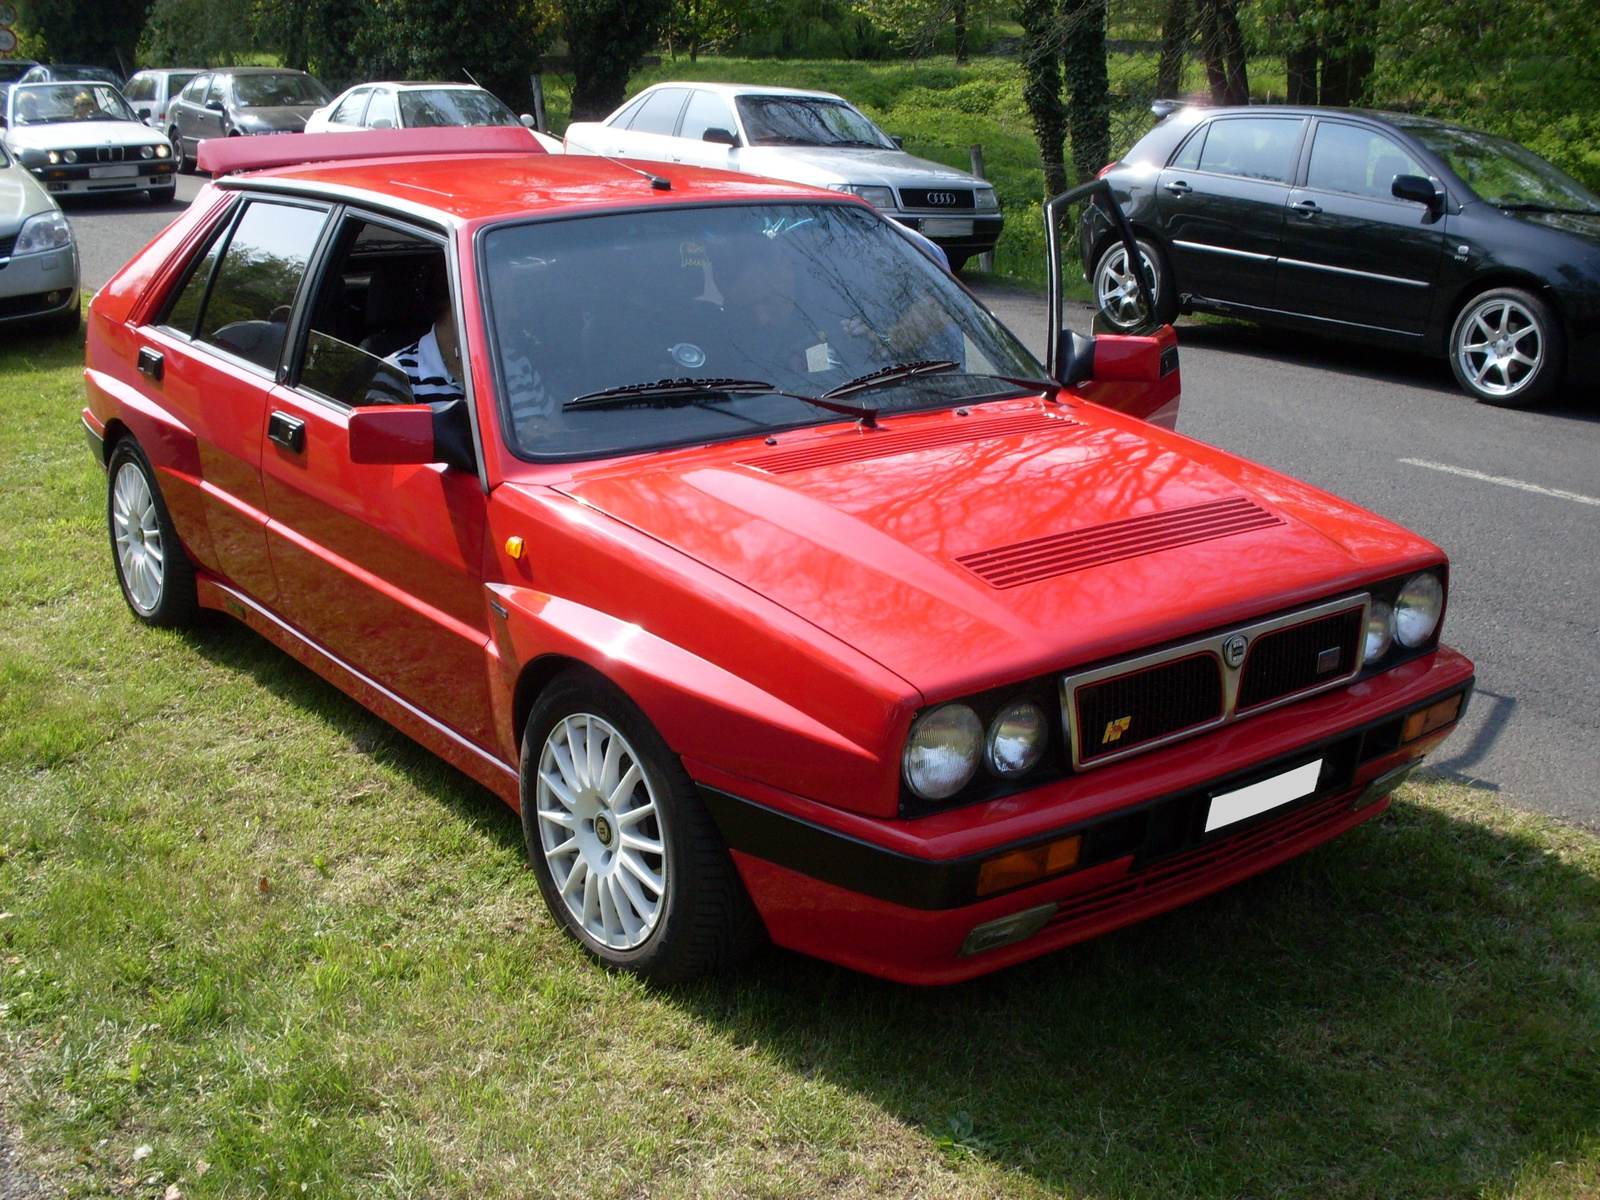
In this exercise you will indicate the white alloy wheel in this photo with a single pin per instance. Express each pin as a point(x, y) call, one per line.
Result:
point(600, 832)
point(1500, 345)
point(136, 526)
point(1116, 289)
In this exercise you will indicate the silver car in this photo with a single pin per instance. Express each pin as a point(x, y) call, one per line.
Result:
point(81, 139)
point(38, 256)
point(806, 137)
point(150, 92)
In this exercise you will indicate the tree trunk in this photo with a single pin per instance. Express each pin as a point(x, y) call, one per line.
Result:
point(1041, 87)
point(1223, 47)
point(1176, 34)
point(1300, 64)
point(960, 13)
point(1348, 58)
point(1088, 86)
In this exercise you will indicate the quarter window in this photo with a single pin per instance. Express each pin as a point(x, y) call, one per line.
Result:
point(252, 296)
point(1189, 157)
point(1346, 158)
point(1252, 147)
point(660, 112)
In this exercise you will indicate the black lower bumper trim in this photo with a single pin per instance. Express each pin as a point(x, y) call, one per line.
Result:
point(97, 443)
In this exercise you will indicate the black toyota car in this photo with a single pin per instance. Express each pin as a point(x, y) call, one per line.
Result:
point(1397, 229)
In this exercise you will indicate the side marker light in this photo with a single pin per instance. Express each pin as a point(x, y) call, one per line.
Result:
point(514, 547)
point(1022, 867)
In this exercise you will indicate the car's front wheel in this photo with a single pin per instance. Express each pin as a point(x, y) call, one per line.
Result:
point(1116, 289)
point(1507, 348)
point(185, 163)
point(627, 857)
point(156, 576)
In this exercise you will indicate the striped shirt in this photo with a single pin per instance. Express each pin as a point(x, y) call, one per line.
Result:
point(424, 367)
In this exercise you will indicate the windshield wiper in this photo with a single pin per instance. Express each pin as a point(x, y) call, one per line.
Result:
point(892, 374)
point(664, 393)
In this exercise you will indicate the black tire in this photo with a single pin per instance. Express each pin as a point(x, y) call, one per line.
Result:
point(704, 919)
point(185, 163)
point(170, 601)
point(1490, 353)
point(1161, 279)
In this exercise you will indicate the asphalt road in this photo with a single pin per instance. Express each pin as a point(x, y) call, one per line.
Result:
point(1514, 499)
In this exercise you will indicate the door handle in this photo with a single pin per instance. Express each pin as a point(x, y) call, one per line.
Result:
point(151, 363)
point(1178, 187)
point(288, 432)
point(1306, 208)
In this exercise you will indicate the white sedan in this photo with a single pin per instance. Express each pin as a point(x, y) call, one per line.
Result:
point(82, 139)
point(389, 105)
point(38, 256)
point(806, 137)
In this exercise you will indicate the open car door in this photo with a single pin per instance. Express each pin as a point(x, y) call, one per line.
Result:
point(1135, 371)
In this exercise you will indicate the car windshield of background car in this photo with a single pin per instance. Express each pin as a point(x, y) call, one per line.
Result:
point(453, 106)
point(1505, 174)
point(53, 103)
point(277, 91)
point(801, 121)
point(802, 297)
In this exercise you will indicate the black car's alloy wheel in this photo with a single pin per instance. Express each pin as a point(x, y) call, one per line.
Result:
point(1506, 348)
point(1116, 290)
point(156, 576)
point(627, 857)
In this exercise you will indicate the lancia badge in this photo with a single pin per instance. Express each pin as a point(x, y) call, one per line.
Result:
point(1233, 650)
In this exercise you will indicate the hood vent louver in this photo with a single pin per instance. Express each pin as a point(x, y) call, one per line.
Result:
point(1062, 553)
point(886, 443)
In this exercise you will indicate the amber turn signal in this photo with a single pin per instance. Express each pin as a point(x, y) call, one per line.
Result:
point(1028, 866)
point(514, 547)
point(1435, 716)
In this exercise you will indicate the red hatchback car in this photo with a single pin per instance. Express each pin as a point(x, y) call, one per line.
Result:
point(721, 533)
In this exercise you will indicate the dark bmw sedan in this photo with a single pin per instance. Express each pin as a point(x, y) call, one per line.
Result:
point(1396, 229)
point(240, 101)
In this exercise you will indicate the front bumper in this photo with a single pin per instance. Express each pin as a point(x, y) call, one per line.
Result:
point(38, 285)
point(963, 235)
point(903, 904)
point(77, 181)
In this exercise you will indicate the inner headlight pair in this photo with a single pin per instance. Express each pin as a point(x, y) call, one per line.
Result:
point(948, 743)
point(61, 156)
point(1410, 620)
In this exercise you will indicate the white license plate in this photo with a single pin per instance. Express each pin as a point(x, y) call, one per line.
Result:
point(944, 227)
point(120, 171)
point(1262, 797)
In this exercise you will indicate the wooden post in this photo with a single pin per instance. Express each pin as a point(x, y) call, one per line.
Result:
point(540, 121)
point(986, 259)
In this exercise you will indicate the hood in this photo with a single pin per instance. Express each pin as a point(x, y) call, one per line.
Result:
point(20, 198)
point(67, 135)
point(960, 551)
point(291, 118)
point(815, 165)
point(1580, 225)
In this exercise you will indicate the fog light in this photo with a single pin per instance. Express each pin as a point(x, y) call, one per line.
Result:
point(1385, 784)
point(993, 934)
point(1022, 867)
point(1436, 716)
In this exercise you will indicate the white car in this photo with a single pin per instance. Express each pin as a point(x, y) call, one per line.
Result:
point(418, 106)
point(806, 137)
point(82, 139)
point(38, 256)
point(150, 92)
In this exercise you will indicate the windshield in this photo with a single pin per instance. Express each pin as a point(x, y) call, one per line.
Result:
point(1505, 174)
point(277, 91)
point(803, 298)
point(452, 106)
point(52, 103)
point(807, 121)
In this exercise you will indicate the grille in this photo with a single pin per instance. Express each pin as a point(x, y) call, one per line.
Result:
point(1287, 661)
point(1128, 710)
point(887, 443)
point(107, 154)
point(1063, 553)
point(954, 199)
point(7, 245)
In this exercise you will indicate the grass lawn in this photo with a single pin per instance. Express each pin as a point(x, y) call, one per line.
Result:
point(255, 943)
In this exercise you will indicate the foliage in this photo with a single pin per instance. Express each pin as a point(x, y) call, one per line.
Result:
point(103, 32)
point(209, 33)
point(497, 42)
point(699, 25)
point(607, 40)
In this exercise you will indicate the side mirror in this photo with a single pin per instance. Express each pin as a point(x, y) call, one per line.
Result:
point(144, 114)
point(1418, 189)
point(413, 433)
point(383, 123)
point(722, 137)
point(527, 121)
point(214, 105)
point(899, 142)
point(1074, 357)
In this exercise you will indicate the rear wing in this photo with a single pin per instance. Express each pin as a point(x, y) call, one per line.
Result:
point(226, 155)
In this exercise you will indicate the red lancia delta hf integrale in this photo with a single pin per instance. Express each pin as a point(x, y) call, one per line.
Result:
point(712, 524)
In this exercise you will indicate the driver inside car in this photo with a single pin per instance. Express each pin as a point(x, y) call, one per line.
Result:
point(430, 363)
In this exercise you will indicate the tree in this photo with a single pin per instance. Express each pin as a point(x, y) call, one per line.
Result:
point(1041, 87)
point(319, 38)
point(1088, 85)
point(607, 40)
point(1177, 31)
point(1222, 47)
point(85, 31)
point(918, 24)
point(696, 25)
point(497, 42)
point(192, 32)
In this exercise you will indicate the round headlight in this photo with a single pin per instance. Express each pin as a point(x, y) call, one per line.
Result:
point(1417, 609)
point(1380, 631)
point(71, 156)
point(147, 151)
point(162, 151)
point(1016, 738)
point(943, 750)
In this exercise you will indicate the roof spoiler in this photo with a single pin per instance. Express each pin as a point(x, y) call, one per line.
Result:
point(1165, 108)
point(227, 155)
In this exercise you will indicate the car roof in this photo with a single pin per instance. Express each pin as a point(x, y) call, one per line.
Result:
point(1197, 112)
point(460, 188)
point(254, 71)
point(743, 89)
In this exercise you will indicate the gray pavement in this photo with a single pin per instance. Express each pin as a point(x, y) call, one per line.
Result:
point(1514, 499)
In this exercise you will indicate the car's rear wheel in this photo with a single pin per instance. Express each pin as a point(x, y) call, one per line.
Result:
point(156, 576)
point(627, 857)
point(1116, 290)
point(1507, 348)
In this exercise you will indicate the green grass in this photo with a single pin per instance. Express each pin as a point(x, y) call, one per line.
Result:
point(1413, 1011)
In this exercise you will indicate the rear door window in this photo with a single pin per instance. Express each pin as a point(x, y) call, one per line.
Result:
point(1252, 147)
point(252, 296)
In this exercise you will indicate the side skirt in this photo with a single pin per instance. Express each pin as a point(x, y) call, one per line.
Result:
point(417, 725)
